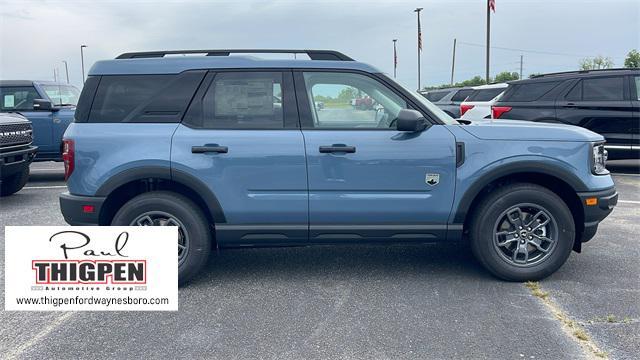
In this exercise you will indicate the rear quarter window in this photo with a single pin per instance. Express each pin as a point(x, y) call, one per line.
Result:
point(485, 94)
point(436, 95)
point(461, 95)
point(143, 98)
point(529, 91)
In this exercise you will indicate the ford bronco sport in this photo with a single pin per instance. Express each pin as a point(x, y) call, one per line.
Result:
point(232, 150)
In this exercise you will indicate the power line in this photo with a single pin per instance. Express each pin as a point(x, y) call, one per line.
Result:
point(525, 50)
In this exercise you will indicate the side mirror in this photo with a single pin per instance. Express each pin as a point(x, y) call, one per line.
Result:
point(411, 121)
point(42, 104)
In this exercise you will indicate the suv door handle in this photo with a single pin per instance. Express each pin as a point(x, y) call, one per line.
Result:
point(337, 148)
point(569, 105)
point(215, 148)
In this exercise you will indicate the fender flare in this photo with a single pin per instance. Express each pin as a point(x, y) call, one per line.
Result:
point(166, 173)
point(519, 167)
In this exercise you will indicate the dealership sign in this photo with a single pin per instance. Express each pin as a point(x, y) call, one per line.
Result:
point(91, 268)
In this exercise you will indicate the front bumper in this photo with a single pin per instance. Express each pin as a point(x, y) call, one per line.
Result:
point(81, 210)
point(605, 201)
point(13, 161)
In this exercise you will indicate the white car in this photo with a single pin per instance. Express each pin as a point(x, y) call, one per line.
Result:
point(478, 104)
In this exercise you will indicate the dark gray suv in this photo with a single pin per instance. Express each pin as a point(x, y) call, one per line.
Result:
point(448, 99)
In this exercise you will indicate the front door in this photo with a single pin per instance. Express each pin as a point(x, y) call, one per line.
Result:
point(368, 181)
point(240, 138)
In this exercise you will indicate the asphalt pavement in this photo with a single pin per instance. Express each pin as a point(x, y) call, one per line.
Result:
point(428, 301)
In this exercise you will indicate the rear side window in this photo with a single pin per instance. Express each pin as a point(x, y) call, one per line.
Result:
point(637, 87)
point(530, 91)
point(485, 94)
point(86, 98)
point(461, 95)
point(244, 100)
point(603, 89)
point(435, 96)
point(143, 98)
point(16, 98)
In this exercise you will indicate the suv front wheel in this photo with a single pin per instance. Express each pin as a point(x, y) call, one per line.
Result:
point(163, 208)
point(522, 232)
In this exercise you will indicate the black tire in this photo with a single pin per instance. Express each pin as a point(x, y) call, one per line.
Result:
point(14, 183)
point(489, 216)
point(185, 211)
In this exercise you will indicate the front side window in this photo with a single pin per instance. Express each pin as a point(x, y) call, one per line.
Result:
point(462, 95)
point(436, 96)
point(351, 101)
point(61, 95)
point(603, 89)
point(18, 98)
point(244, 100)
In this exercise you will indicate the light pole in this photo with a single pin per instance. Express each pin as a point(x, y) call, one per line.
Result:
point(417, 11)
point(66, 69)
point(82, 59)
point(395, 58)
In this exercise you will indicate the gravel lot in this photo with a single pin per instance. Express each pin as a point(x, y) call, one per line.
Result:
point(431, 301)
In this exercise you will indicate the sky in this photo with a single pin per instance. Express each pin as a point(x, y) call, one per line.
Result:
point(37, 35)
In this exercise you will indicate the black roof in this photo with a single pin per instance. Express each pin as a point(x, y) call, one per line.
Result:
point(313, 54)
point(579, 74)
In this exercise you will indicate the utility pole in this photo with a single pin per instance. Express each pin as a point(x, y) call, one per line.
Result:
point(395, 58)
point(521, 56)
point(488, 38)
point(82, 59)
point(55, 76)
point(66, 69)
point(453, 61)
point(417, 11)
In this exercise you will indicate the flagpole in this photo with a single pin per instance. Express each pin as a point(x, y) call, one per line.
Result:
point(488, 37)
point(395, 58)
point(417, 11)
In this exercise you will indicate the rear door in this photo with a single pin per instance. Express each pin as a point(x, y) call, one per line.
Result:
point(602, 105)
point(368, 181)
point(635, 104)
point(20, 99)
point(241, 138)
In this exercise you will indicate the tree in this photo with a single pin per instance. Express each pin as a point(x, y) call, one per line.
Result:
point(598, 62)
point(347, 94)
point(506, 76)
point(633, 59)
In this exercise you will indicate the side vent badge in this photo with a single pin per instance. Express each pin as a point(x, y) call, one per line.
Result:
point(432, 179)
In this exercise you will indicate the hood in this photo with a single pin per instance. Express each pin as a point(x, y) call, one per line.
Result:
point(12, 118)
point(528, 130)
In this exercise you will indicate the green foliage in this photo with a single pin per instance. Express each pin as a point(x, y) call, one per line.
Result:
point(633, 59)
point(506, 76)
point(347, 94)
point(595, 63)
point(474, 81)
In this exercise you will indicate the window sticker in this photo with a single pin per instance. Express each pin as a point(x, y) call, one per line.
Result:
point(9, 101)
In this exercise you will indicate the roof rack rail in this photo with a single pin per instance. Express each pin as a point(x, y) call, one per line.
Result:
point(578, 72)
point(313, 54)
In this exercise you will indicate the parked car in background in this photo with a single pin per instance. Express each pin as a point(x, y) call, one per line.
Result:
point(16, 152)
point(478, 104)
point(48, 105)
point(178, 146)
point(604, 101)
point(448, 100)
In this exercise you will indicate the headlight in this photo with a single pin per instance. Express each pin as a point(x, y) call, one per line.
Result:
point(599, 159)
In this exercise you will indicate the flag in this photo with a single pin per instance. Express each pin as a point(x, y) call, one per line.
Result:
point(395, 56)
point(492, 5)
point(419, 34)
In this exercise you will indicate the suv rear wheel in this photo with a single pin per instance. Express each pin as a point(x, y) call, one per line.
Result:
point(14, 183)
point(522, 232)
point(163, 208)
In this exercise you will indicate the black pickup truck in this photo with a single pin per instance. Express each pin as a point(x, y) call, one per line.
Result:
point(16, 152)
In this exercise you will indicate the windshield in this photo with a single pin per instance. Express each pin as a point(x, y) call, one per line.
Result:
point(441, 115)
point(61, 95)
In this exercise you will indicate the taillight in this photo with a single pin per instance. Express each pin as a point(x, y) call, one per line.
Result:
point(68, 157)
point(497, 111)
point(465, 108)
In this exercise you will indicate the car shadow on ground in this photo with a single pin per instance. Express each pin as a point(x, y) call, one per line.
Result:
point(448, 261)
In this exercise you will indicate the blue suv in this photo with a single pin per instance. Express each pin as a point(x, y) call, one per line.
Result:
point(48, 105)
point(235, 151)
